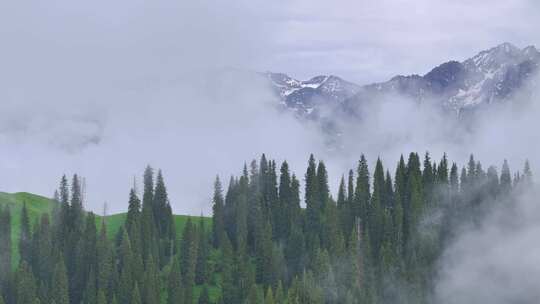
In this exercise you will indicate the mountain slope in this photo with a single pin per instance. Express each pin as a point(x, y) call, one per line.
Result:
point(491, 76)
point(307, 97)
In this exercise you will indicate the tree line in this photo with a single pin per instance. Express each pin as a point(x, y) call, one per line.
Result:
point(376, 242)
point(272, 239)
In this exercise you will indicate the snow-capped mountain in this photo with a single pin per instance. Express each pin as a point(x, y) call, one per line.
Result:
point(491, 76)
point(308, 97)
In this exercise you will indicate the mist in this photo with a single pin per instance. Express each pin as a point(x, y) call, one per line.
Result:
point(496, 261)
point(103, 89)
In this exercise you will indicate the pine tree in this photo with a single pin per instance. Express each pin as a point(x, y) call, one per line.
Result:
point(284, 213)
point(148, 186)
point(201, 267)
point(342, 206)
point(312, 202)
point(151, 287)
point(218, 217)
point(295, 212)
point(204, 298)
point(175, 294)
point(104, 258)
point(376, 210)
point(227, 282)
point(5, 245)
point(77, 211)
point(362, 192)
point(25, 249)
point(126, 280)
point(506, 179)
point(101, 298)
point(134, 210)
point(25, 285)
point(90, 291)
point(136, 296)
point(59, 284)
point(148, 234)
point(188, 259)
point(527, 174)
point(269, 299)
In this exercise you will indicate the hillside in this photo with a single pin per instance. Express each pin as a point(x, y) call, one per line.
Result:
point(38, 205)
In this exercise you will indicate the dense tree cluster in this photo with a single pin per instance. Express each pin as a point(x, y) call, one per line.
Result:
point(69, 260)
point(377, 241)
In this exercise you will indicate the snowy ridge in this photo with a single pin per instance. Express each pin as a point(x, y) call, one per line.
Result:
point(491, 76)
point(308, 96)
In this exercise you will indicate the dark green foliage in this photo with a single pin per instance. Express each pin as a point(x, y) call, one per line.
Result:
point(59, 284)
point(218, 217)
point(5, 245)
point(204, 298)
point(25, 285)
point(263, 246)
point(175, 294)
point(202, 274)
point(136, 296)
point(188, 258)
point(25, 249)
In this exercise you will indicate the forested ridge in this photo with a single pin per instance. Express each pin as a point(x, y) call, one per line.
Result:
point(273, 239)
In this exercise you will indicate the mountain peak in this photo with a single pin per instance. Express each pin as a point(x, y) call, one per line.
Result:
point(506, 47)
point(489, 76)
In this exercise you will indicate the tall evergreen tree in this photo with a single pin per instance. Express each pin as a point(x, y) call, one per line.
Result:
point(204, 298)
point(175, 294)
point(312, 202)
point(362, 193)
point(59, 284)
point(506, 178)
point(218, 222)
point(5, 245)
point(283, 214)
point(25, 285)
point(25, 249)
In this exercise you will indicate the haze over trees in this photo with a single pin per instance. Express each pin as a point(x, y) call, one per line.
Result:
point(376, 241)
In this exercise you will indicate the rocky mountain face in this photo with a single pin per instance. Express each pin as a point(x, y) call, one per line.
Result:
point(308, 97)
point(491, 76)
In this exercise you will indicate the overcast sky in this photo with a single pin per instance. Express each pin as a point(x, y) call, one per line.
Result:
point(103, 88)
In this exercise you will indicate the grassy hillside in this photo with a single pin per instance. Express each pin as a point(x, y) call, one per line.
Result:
point(38, 205)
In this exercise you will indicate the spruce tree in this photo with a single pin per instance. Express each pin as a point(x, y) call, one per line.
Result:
point(342, 206)
point(269, 299)
point(136, 295)
point(376, 209)
point(204, 298)
point(25, 249)
point(151, 286)
point(227, 282)
point(362, 192)
point(284, 213)
point(527, 174)
point(59, 284)
point(5, 245)
point(175, 294)
point(126, 279)
point(201, 267)
point(218, 217)
point(506, 179)
point(104, 258)
point(188, 258)
point(312, 202)
point(101, 298)
point(134, 210)
point(25, 285)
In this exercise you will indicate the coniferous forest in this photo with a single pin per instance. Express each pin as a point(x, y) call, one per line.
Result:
point(275, 237)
